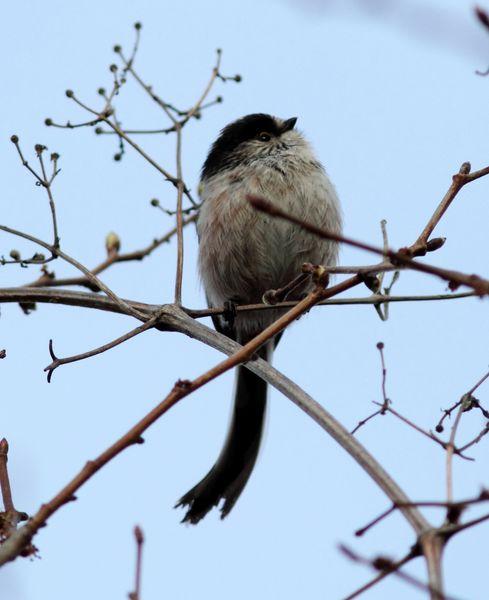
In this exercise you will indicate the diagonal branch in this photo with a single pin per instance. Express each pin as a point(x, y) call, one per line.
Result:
point(179, 321)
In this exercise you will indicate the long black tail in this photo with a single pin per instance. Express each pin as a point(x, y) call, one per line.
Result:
point(227, 478)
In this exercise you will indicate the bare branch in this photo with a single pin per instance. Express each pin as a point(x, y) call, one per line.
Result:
point(387, 566)
point(56, 362)
point(179, 321)
point(113, 258)
point(139, 538)
point(465, 404)
point(88, 274)
point(401, 258)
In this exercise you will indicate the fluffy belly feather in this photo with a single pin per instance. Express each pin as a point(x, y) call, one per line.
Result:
point(244, 253)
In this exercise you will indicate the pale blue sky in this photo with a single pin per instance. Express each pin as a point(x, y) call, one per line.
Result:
point(390, 101)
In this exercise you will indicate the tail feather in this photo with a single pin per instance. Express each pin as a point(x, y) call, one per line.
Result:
point(227, 478)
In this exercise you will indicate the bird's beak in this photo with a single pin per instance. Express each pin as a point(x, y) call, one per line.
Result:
point(289, 124)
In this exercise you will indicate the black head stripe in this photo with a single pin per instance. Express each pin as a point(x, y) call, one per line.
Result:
point(232, 136)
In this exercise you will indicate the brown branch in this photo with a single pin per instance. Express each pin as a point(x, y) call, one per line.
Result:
point(450, 450)
point(139, 538)
point(403, 257)
point(395, 566)
point(432, 545)
point(430, 435)
point(477, 438)
point(453, 529)
point(178, 180)
point(387, 566)
point(113, 258)
point(362, 422)
point(373, 299)
point(458, 181)
point(126, 308)
point(44, 181)
point(179, 321)
point(275, 297)
point(452, 507)
point(17, 541)
point(97, 302)
point(10, 517)
point(465, 405)
point(57, 362)
point(180, 190)
point(385, 406)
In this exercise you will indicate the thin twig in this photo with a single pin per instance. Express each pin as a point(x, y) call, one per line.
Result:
point(136, 255)
point(403, 257)
point(465, 404)
point(43, 181)
point(207, 312)
point(459, 506)
point(10, 517)
point(427, 434)
point(382, 575)
point(57, 362)
point(139, 538)
point(477, 438)
point(388, 566)
point(88, 274)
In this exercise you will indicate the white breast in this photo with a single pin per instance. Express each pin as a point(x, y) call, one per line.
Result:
point(243, 252)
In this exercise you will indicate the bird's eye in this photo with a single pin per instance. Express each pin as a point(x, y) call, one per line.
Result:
point(264, 136)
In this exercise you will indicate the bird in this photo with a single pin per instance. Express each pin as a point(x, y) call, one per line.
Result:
point(243, 253)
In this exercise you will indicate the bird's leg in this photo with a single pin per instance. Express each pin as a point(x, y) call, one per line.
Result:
point(229, 313)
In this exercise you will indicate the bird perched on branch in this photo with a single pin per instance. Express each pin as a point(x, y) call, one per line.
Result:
point(243, 253)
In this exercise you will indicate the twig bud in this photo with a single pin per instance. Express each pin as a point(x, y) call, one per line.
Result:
point(155, 202)
point(435, 244)
point(138, 534)
point(482, 16)
point(39, 149)
point(14, 139)
point(117, 48)
point(112, 243)
point(101, 91)
point(238, 78)
point(372, 282)
point(48, 122)
point(382, 563)
point(69, 93)
point(380, 345)
point(137, 26)
point(15, 254)
point(3, 353)
point(113, 68)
